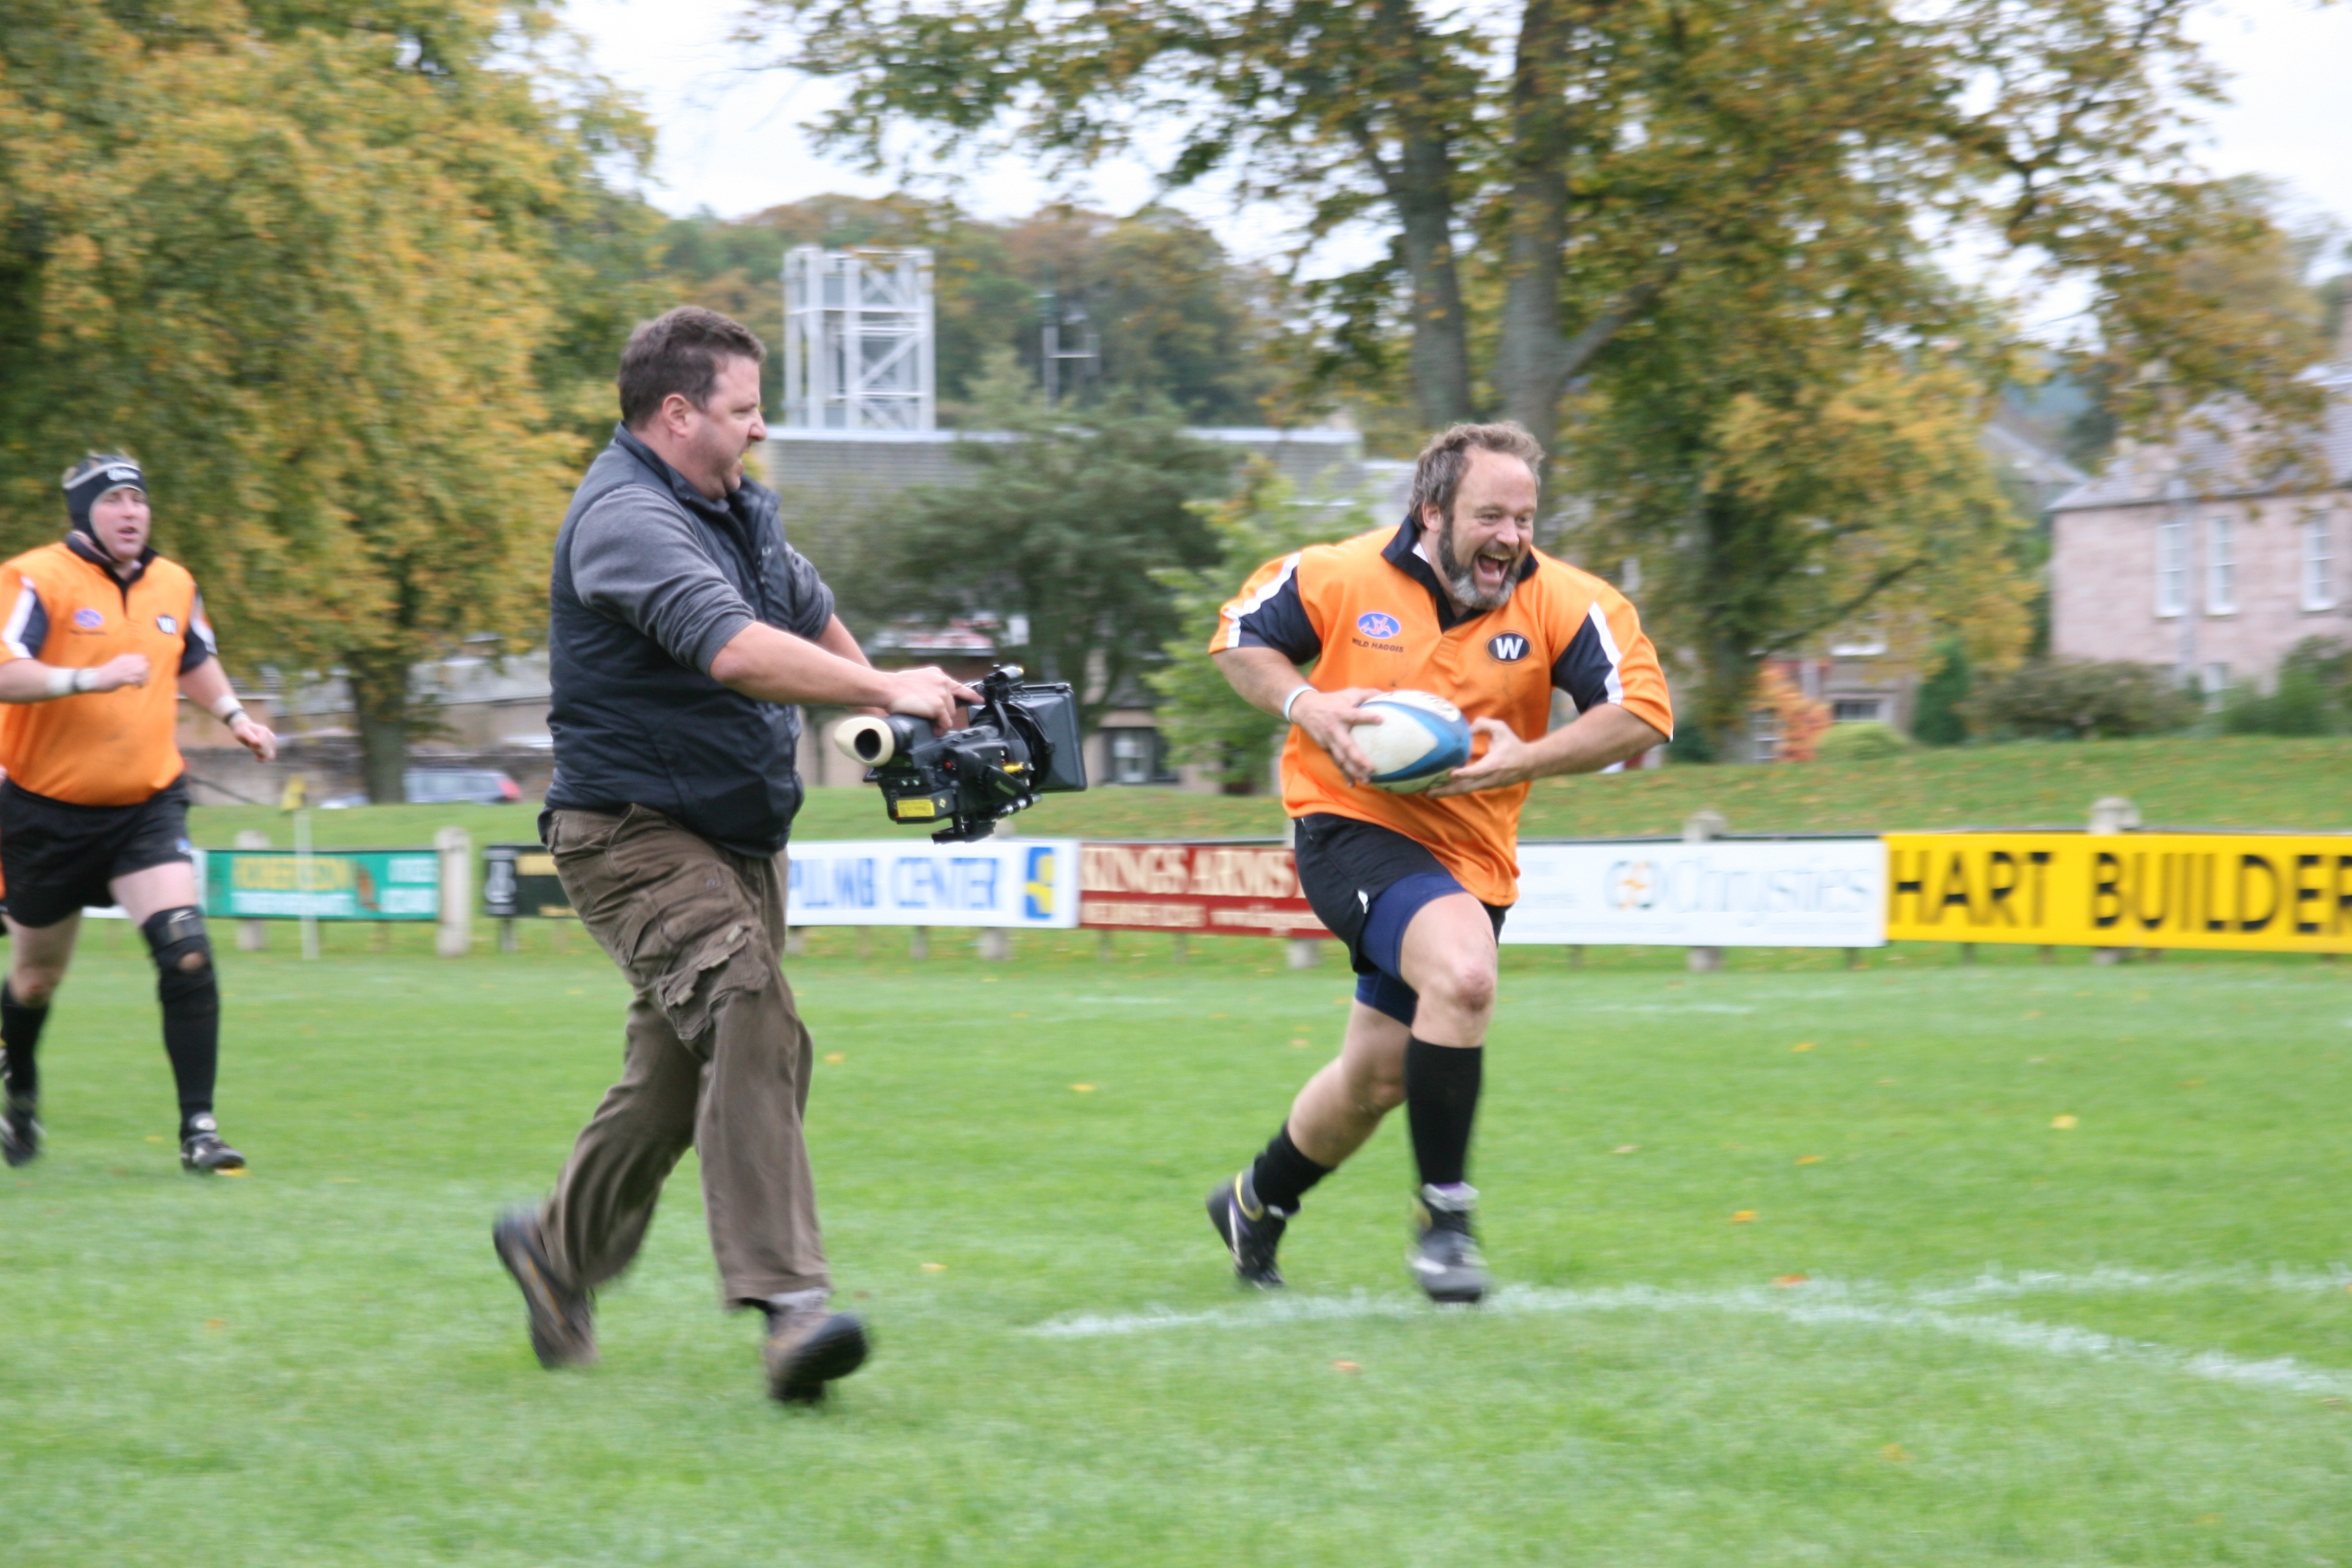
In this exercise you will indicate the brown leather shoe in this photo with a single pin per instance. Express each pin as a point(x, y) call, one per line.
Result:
point(807, 1347)
point(561, 1332)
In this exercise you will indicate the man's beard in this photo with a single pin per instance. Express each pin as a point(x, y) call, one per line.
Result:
point(1462, 580)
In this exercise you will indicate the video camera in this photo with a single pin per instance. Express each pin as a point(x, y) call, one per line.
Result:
point(1022, 743)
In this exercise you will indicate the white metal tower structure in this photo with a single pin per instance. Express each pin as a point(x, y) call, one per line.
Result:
point(857, 340)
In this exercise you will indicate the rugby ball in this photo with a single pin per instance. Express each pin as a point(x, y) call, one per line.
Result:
point(1418, 740)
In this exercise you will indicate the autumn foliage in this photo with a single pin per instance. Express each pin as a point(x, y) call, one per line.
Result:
point(332, 271)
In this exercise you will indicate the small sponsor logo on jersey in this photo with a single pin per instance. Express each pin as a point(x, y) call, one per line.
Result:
point(167, 626)
point(89, 621)
point(1376, 624)
point(1508, 649)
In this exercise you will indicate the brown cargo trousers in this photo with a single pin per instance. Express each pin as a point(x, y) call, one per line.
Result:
point(718, 1059)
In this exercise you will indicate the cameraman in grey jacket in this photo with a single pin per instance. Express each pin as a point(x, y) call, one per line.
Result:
point(682, 631)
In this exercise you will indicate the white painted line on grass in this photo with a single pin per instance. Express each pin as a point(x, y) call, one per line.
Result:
point(2112, 1280)
point(2283, 1374)
point(1821, 1304)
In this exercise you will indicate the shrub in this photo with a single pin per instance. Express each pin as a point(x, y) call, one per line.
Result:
point(1860, 742)
point(2079, 700)
point(1936, 720)
point(1691, 743)
point(2313, 695)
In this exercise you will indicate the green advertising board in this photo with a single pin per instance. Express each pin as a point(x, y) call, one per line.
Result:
point(344, 885)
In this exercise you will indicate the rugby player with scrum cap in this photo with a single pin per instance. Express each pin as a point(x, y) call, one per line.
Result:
point(1456, 602)
point(101, 637)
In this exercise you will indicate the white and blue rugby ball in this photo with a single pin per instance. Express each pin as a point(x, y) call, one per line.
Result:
point(1418, 740)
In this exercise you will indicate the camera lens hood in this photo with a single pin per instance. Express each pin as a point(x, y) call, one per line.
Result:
point(866, 739)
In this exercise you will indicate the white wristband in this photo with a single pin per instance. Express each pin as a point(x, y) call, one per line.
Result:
point(1295, 694)
point(64, 682)
point(227, 708)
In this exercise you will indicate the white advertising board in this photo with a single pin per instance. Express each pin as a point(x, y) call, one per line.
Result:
point(891, 882)
point(1814, 892)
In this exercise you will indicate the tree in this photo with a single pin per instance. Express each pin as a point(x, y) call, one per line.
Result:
point(346, 282)
point(1552, 173)
point(1204, 720)
point(2267, 277)
point(1068, 513)
point(1173, 313)
point(1937, 720)
point(1793, 489)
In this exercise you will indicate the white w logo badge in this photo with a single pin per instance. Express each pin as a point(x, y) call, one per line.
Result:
point(1508, 649)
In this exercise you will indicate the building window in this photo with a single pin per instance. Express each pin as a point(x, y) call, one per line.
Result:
point(2318, 564)
point(1764, 734)
point(2221, 567)
point(1138, 757)
point(1858, 711)
point(2172, 567)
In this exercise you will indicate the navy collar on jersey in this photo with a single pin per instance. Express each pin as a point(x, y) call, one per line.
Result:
point(1402, 553)
point(92, 550)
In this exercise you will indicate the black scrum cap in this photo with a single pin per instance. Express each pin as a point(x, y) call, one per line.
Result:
point(94, 476)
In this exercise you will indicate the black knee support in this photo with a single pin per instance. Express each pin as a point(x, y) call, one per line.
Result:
point(184, 955)
point(191, 997)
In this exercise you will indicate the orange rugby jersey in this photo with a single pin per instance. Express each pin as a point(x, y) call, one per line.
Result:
point(1368, 612)
point(66, 608)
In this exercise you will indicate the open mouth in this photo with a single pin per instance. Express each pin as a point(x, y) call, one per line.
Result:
point(1490, 572)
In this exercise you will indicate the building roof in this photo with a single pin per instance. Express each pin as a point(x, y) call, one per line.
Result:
point(2216, 454)
point(2022, 455)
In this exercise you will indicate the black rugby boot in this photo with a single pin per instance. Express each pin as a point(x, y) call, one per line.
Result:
point(1445, 1259)
point(20, 1132)
point(1251, 1231)
point(201, 1153)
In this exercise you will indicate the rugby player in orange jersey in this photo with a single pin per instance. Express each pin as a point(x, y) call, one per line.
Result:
point(1458, 602)
point(102, 637)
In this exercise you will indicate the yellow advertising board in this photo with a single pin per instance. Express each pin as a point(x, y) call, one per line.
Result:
point(2250, 891)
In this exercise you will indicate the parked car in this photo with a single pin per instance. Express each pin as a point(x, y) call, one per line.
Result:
point(444, 786)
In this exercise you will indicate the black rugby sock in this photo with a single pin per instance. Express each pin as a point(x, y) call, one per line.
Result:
point(1441, 1101)
point(20, 1033)
point(1282, 1174)
point(192, 1039)
point(190, 993)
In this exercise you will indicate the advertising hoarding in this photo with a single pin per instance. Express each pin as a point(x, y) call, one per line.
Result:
point(328, 885)
point(1215, 889)
point(2246, 891)
point(1812, 892)
point(519, 880)
point(1016, 882)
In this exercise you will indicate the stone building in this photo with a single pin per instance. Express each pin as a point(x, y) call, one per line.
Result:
point(2206, 556)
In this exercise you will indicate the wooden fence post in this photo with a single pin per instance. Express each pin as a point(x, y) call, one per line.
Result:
point(2112, 814)
point(455, 847)
point(1704, 828)
point(252, 936)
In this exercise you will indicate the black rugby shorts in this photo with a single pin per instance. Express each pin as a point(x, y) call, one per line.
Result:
point(57, 857)
point(1344, 865)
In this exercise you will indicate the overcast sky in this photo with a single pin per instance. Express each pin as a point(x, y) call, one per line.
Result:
point(730, 138)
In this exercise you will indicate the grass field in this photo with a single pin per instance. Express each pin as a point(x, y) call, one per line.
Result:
point(2124, 1342)
point(2228, 782)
